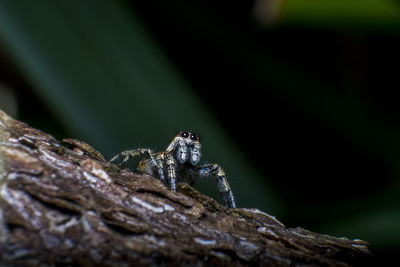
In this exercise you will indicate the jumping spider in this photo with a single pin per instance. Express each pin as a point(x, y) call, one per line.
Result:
point(178, 163)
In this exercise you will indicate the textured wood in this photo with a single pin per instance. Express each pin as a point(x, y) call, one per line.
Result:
point(65, 204)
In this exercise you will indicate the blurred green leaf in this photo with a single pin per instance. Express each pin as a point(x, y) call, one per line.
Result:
point(351, 14)
point(97, 68)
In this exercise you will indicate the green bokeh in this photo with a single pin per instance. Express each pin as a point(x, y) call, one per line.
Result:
point(107, 81)
point(100, 72)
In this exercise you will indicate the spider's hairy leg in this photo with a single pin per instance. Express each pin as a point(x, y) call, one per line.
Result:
point(127, 154)
point(170, 161)
point(160, 166)
point(223, 185)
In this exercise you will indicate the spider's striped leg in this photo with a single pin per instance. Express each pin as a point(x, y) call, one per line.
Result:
point(134, 153)
point(170, 161)
point(160, 166)
point(223, 185)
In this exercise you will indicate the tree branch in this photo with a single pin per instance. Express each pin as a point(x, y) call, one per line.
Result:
point(64, 204)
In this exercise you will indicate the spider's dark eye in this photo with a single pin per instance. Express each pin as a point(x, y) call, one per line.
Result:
point(185, 134)
point(194, 137)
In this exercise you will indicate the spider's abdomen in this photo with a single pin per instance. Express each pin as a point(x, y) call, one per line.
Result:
point(146, 167)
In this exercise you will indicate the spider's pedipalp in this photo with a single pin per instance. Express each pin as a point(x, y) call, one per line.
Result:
point(195, 154)
point(178, 146)
point(174, 143)
point(182, 152)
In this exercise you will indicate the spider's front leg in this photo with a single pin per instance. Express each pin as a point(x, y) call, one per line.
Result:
point(223, 185)
point(171, 173)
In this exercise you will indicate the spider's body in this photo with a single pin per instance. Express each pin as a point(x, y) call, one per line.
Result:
point(179, 163)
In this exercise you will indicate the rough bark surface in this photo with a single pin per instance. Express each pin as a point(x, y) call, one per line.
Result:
point(65, 204)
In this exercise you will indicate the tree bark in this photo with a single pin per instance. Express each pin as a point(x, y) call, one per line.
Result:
point(65, 204)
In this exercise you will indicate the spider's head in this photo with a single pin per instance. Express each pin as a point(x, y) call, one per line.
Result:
point(187, 147)
point(190, 138)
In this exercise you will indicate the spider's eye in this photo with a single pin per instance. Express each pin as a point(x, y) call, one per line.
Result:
point(194, 137)
point(185, 134)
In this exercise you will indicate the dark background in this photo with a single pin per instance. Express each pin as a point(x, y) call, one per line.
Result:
point(299, 105)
